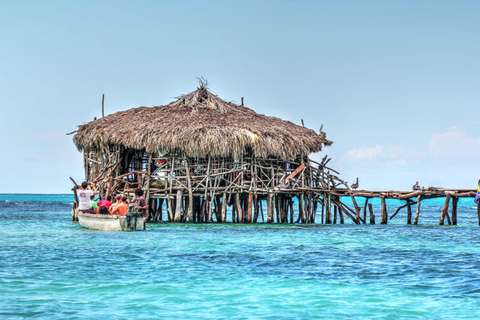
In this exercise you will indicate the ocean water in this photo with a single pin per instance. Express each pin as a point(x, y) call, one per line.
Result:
point(51, 268)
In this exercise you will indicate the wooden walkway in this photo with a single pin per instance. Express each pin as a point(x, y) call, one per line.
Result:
point(411, 198)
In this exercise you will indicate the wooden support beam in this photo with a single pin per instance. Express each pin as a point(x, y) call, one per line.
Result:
point(178, 207)
point(445, 209)
point(454, 210)
point(383, 214)
point(409, 211)
point(340, 213)
point(417, 214)
point(372, 216)
point(239, 208)
point(294, 173)
point(365, 211)
point(250, 207)
point(190, 195)
point(270, 206)
point(478, 213)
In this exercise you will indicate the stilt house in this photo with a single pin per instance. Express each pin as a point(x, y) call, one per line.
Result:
point(206, 157)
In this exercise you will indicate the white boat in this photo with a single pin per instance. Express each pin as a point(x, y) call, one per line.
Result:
point(109, 222)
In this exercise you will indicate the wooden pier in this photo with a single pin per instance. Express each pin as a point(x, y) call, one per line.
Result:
point(411, 198)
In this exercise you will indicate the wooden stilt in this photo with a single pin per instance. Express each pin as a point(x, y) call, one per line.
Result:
point(340, 214)
point(328, 210)
point(365, 211)
point(334, 214)
point(445, 209)
point(223, 211)
point(417, 214)
point(256, 208)
point(250, 207)
point(270, 206)
point(454, 210)
point(372, 216)
point(239, 208)
point(178, 208)
point(290, 203)
point(301, 210)
point(409, 211)
point(383, 215)
point(478, 213)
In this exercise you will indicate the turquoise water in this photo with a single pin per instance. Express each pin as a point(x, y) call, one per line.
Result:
point(52, 268)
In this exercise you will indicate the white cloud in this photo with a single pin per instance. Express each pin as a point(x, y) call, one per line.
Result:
point(454, 144)
point(365, 153)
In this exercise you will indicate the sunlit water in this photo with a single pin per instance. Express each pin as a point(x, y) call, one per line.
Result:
point(54, 269)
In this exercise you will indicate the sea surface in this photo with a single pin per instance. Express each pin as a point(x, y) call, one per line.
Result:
point(52, 268)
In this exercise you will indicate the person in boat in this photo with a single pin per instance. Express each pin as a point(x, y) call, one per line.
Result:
point(118, 200)
point(93, 203)
point(84, 195)
point(141, 203)
point(121, 208)
point(477, 197)
point(104, 205)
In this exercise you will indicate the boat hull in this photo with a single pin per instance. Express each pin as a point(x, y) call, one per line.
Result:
point(107, 222)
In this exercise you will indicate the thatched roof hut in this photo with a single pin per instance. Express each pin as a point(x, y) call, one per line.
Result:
point(200, 124)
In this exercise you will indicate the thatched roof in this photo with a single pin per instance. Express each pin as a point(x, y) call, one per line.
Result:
point(200, 124)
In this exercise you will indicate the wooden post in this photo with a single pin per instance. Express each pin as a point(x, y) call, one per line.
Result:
point(372, 216)
point(239, 208)
point(454, 210)
point(290, 204)
point(300, 207)
point(445, 209)
point(178, 208)
point(103, 105)
point(160, 209)
point(190, 195)
point(223, 212)
point(478, 213)
point(340, 213)
point(417, 214)
point(270, 207)
point(256, 209)
point(334, 214)
point(328, 211)
point(250, 207)
point(409, 211)
point(384, 215)
point(169, 210)
point(323, 211)
point(365, 211)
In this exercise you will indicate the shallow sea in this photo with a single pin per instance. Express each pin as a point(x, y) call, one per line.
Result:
point(51, 268)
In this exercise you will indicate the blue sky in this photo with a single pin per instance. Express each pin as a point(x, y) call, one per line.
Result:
point(395, 83)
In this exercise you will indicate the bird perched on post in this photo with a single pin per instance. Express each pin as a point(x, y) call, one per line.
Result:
point(355, 185)
point(416, 186)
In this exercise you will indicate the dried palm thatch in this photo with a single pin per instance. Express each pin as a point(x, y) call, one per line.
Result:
point(200, 124)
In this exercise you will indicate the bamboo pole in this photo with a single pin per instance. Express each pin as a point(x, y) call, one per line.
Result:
point(445, 209)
